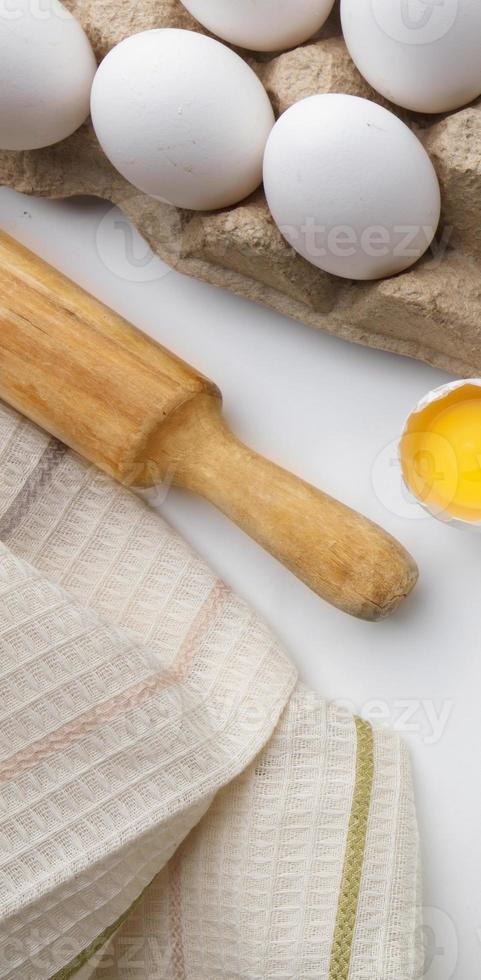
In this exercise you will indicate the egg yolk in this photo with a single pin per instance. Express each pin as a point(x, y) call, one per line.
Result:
point(441, 454)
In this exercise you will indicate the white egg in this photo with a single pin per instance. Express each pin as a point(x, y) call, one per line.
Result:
point(46, 71)
point(182, 117)
point(424, 55)
point(350, 187)
point(262, 25)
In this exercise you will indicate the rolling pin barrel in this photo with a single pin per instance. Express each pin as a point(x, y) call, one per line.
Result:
point(144, 416)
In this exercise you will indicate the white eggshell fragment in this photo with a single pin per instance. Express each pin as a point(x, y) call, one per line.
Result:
point(350, 187)
point(46, 71)
point(424, 55)
point(182, 117)
point(262, 25)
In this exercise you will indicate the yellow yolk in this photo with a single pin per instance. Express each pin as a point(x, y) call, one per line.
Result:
point(441, 454)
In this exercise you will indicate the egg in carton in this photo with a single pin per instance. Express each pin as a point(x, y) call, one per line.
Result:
point(432, 311)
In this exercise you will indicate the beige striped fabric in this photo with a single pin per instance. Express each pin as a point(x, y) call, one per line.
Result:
point(173, 805)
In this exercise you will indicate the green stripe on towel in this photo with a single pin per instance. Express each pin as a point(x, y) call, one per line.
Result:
point(355, 850)
point(75, 965)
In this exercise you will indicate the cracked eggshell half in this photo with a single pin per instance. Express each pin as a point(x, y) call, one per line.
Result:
point(182, 117)
point(440, 453)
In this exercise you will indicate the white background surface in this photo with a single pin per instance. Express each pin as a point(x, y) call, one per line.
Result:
point(327, 410)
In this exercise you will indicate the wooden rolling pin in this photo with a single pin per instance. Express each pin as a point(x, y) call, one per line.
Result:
point(143, 416)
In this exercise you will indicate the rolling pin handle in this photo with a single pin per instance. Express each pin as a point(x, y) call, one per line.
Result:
point(343, 557)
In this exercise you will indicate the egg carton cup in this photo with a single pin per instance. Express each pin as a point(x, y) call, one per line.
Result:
point(431, 312)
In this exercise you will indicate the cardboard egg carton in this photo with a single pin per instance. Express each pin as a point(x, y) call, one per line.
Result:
point(432, 312)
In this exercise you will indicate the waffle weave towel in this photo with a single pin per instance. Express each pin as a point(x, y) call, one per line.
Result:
point(173, 805)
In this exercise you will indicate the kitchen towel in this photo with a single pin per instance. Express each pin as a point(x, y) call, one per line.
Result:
point(174, 805)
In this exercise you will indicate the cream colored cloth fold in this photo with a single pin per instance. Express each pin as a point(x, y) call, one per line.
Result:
point(172, 805)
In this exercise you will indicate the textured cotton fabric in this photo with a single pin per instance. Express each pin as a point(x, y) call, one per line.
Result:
point(173, 806)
